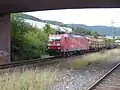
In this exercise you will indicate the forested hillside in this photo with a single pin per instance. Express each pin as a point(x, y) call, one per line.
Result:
point(103, 30)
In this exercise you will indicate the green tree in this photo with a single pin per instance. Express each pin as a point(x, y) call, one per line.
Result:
point(94, 33)
point(85, 31)
point(28, 42)
point(18, 29)
point(48, 29)
point(35, 44)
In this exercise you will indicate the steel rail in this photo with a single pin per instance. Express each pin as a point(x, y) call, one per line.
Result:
point(104, 76)
point(27, 62)
point(34, 61)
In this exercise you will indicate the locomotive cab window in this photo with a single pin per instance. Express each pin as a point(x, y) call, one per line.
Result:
point(54, 38)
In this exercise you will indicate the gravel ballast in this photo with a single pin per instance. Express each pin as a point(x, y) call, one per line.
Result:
point(83, 78)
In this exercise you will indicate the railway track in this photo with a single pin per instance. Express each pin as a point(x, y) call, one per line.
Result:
point(49, 60)
point(39, 61)
point(110, 81)
point(29, 62)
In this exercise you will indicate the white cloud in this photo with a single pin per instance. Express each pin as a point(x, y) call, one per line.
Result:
point(81, 16)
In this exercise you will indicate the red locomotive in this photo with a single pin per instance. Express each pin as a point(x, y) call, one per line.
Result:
point(67, 44)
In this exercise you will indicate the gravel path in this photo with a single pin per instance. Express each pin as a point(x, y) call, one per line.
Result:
point(83, 78)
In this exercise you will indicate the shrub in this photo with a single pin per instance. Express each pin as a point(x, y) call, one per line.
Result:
point(28, 42)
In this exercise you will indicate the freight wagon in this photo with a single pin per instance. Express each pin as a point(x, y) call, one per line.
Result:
point(96, 43)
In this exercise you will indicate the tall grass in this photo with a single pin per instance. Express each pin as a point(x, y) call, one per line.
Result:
point(98, 57)
point(28, 79)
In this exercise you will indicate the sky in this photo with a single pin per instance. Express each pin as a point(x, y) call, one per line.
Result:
point(88, 17)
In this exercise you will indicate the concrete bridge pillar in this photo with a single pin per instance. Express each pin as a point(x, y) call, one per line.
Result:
point(4, 38)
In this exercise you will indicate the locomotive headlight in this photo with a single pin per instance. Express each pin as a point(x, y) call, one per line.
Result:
point(58, 44)
point(58, 47)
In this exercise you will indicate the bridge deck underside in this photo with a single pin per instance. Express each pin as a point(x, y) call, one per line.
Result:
point(8, 6)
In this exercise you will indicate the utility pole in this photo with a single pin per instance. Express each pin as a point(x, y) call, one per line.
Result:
point(112, 22)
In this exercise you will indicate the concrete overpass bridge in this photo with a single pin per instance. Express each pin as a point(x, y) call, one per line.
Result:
point(12, 6)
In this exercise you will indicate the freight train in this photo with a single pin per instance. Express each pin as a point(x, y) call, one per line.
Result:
point(68, 44)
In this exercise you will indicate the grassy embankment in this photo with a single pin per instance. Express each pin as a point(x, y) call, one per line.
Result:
point(97, 57)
